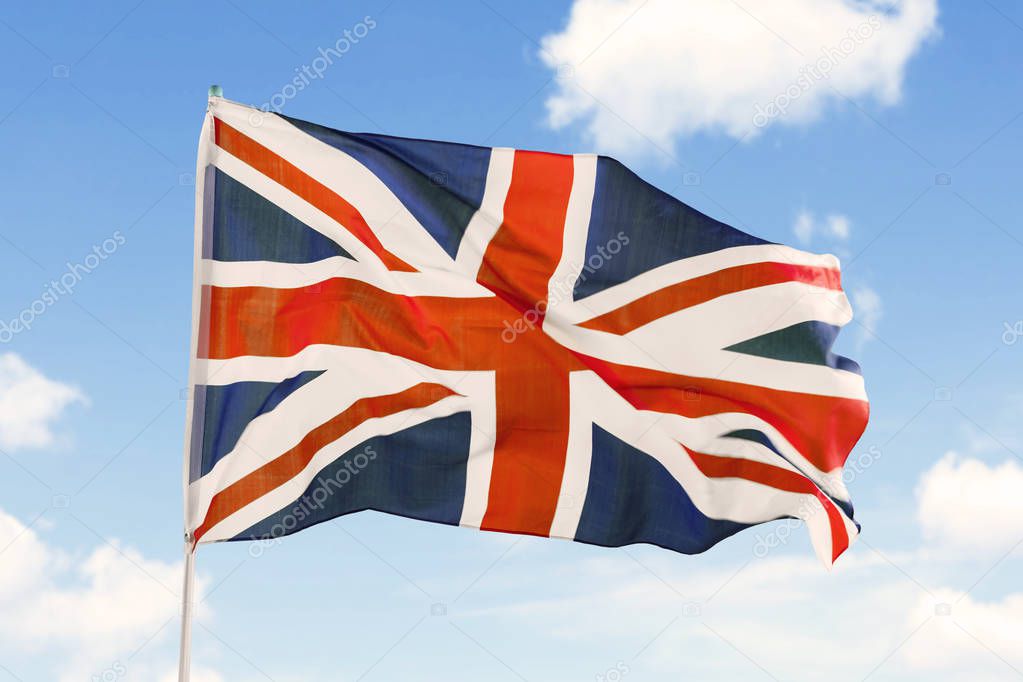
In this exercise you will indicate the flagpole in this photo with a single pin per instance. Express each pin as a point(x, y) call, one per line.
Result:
point(188, 583)
point(190, 547)
point(187, 604)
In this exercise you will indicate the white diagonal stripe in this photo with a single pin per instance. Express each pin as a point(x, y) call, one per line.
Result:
point(388, 218)
point(488, 218)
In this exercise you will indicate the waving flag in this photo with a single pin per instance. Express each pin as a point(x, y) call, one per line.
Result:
point(501, 339)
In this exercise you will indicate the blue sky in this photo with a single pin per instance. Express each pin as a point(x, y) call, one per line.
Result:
point(904, 162)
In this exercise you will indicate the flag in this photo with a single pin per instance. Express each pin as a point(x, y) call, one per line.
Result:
point(501, 339)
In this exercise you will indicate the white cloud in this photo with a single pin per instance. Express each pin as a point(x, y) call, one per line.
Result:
point(25, 562)
point(839, 226)
point(85, 615)
point(888, 617)
point(960, 632)
point(836, 225)
point(670, 69)
point(868, 308)
point(29, 404)
point(198, 675)
point(803, 227)
point(784, 614)
point(967, 504)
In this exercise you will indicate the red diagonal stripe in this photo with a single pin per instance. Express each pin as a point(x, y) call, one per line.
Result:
point(707, 287)
point(279, 471)
point(823, 428)
point(305, 186)
point(715, 466)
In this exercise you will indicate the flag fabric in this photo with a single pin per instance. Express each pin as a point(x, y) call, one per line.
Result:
point(501, 339)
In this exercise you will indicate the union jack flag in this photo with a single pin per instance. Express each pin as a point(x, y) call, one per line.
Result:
point(501, 339)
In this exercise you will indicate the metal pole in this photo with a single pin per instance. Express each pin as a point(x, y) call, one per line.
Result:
point(188, 585)
point(187, 603)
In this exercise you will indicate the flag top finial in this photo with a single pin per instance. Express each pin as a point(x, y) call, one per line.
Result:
point(216, 91)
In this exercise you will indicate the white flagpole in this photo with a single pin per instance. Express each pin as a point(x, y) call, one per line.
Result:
point(188, 586)
point(187, 604)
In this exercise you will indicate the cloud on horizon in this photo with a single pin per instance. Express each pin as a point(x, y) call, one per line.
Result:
point(884, 614)
point(85, 614)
